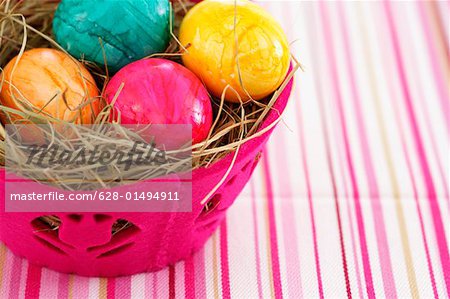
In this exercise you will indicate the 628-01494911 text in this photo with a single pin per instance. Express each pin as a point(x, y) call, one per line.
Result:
point(139, 196)
point(97, 195)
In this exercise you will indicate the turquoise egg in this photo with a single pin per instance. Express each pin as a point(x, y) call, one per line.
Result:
point(129, 29)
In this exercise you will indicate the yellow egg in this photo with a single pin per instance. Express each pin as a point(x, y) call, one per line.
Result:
point(251, 57)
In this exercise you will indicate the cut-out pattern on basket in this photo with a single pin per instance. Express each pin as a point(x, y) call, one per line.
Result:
point(75, 217)
point(49, 245)
point(103, 217)
point(232, 180)
point(247, 165)
point(123, 235)
point(114, 236)
point(49, 223)
point(115, 251)
point(211, 205)
point(46, 233)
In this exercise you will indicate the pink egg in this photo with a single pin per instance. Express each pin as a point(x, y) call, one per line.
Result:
point(160, 91)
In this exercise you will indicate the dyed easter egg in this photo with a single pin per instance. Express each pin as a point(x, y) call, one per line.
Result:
point(129, 29)
point(51, 82)
point(256, 53)
point(160, 91)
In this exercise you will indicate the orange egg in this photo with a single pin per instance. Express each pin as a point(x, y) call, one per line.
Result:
point(50, 82)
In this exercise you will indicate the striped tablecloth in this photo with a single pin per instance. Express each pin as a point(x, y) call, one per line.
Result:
point(351, 198)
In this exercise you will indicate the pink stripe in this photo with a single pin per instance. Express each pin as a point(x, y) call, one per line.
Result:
point(80, 287)
point(311, 213)
point(49, 289)
point(406, 155)
point(33, 281)
point(291, 241)
point(155, 285)
point(434, 148)
point(442, 96)
point(353, 244)
point(442, 82)
point(23, 279)
point(444, 9)
point(111, 288)
point(16, 274)
point(348, 156)
point(346, 195)
point(148, 285)
point(224, 260)
point(332, 173)
point(272, 230)
point(335, 195)
point(189, 278)
point(419, 212)
point(428, 122)
point(171, 282)
point(63, 286)
point(123, 287)
point(413, 181)
point(256, 241)
point(431, 191)
point(361, 127)
point(179, 280)
point(382, 242)
point(200, 280)
point(439, 74)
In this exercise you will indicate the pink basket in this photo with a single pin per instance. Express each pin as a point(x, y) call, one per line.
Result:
point(85, 245)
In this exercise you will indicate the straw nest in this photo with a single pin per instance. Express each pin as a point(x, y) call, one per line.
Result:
point(28, 24)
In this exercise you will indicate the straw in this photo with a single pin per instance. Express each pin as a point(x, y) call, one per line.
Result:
point(27, 24)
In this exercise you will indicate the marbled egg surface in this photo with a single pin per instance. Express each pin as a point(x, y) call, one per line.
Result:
point(160, 91)
point(129, 29)
point(51, 82)
point(243, 47)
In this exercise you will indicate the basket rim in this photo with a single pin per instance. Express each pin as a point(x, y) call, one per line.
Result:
point(278, 108)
